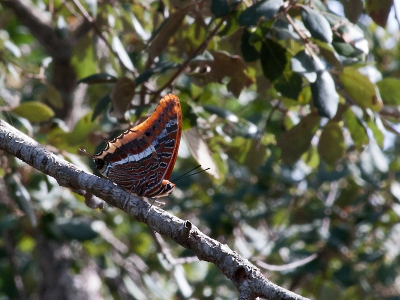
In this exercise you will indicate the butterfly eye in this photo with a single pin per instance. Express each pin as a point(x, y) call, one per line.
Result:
point(170, 187)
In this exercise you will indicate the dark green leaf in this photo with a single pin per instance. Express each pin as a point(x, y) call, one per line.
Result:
point(273, 59)
point(296, 141)
point(289, 85)
point(266, 9)
point(159, 68)
point(98, 78)
point(249, 52)
point(331, 144)
point(317, 24)
point(75, 229)
point(101, 105)
point(325, 97)
point(220, 8)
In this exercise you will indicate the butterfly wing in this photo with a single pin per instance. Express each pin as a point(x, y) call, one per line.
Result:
point(143, 156)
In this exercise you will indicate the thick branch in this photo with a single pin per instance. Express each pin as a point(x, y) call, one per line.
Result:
point(246, 277)
point(32, 18)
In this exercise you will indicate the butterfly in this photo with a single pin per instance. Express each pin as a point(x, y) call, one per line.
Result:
point(141, 159)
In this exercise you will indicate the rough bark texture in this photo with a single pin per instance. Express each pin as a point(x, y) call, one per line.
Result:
point(247, 278)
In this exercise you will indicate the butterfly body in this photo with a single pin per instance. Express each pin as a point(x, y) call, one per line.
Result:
point(142, 158)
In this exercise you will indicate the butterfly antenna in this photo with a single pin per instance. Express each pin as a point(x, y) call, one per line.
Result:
point(184, 175)
point(179, 177)
point(84, 152)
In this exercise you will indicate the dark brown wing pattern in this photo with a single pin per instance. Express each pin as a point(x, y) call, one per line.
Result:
point(142, 158)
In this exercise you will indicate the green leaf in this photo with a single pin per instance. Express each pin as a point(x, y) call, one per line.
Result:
point(119, 48)
point(289, 85)
point(98, 78)
point(52, 96)
point(34, 111)
point(74, 229)
point(361, 89)
point(389, 89)
point(220, 8)
point(331, 144)
point(159, 68)
point(325, 97)
point(235, 126)
point(266, 9)
point(352, 35)
point(356, 128)
point(296, 141)
point(329, 54)
point(249, 52)
point(100, 106)
point(317, 24)
point(304, 65)
point(273, 59)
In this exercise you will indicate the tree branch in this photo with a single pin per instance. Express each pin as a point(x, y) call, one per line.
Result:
point(245, 276)
point(32, 18)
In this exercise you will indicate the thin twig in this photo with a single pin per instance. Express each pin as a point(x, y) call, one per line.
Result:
point(196, 52)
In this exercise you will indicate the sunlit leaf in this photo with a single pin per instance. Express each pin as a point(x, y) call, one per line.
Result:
point(34, 111)
point(304, 65)
point(200, 151)
point(119, 48)
point(361, 89)
point(324, 94)
point(317, 24)
point(354, 36)
point(389, 89)
point(266, 9)
point(356, 128)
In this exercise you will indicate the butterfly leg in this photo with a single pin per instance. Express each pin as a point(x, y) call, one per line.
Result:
point(159, 203)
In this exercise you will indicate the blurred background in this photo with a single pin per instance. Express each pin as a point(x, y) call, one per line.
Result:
point(292, 105)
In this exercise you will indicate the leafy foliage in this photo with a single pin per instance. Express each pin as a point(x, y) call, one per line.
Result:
point(292, 106)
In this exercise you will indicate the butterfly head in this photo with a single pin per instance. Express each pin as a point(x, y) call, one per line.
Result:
point(101, 165)
point(167, 188)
